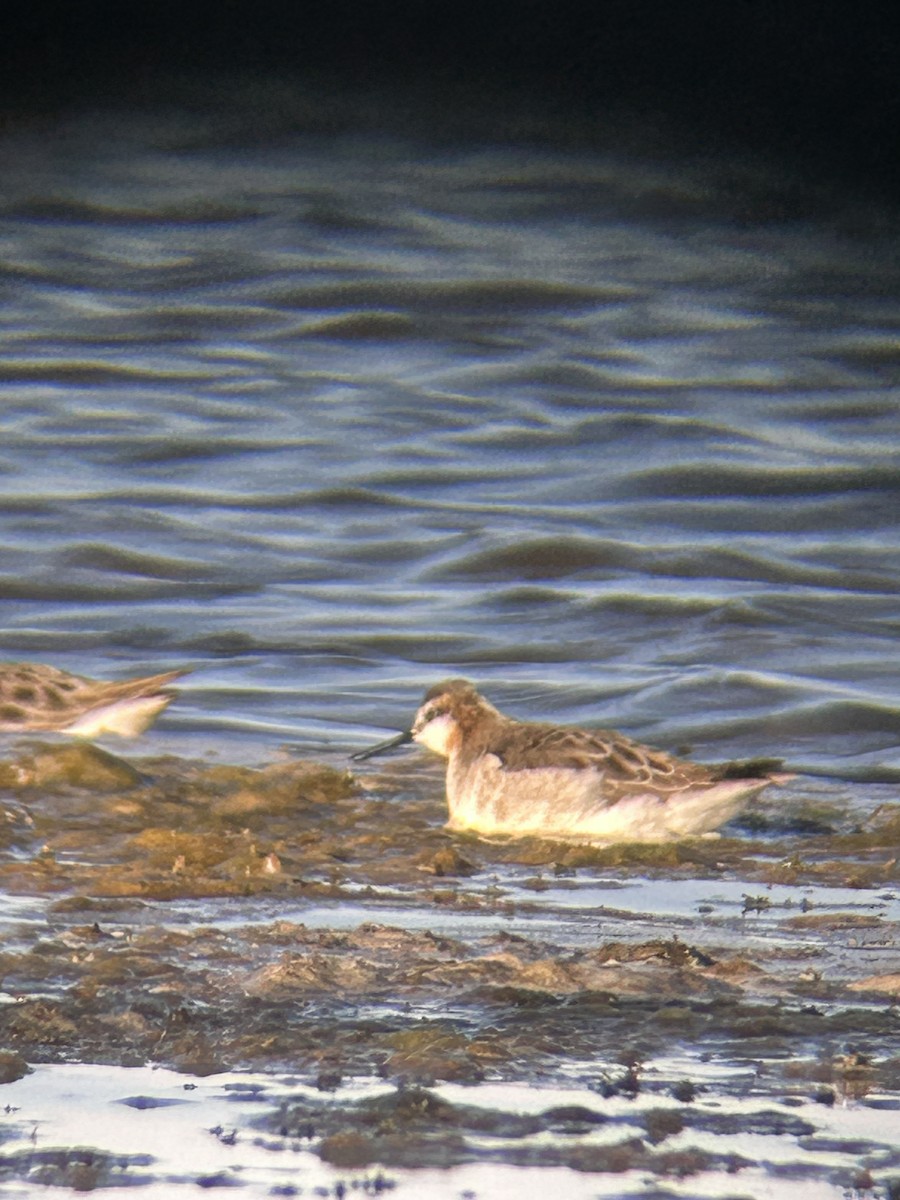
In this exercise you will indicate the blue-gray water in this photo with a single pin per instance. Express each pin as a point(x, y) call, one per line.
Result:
point(328, 417)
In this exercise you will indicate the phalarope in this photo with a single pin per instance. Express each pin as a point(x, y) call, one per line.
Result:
point(527, 778)
point(38, 698)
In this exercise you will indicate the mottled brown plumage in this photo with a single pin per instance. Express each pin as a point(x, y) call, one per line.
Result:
point(508, 776)
point(39, 698)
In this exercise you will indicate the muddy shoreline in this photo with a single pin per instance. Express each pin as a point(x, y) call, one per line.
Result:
point(296, 918)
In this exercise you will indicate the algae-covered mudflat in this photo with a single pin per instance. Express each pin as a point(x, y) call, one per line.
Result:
point(289, 977)
point(322, 391)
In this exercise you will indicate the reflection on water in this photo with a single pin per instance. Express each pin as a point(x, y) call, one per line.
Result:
point(327, 418)
point(168, 1134)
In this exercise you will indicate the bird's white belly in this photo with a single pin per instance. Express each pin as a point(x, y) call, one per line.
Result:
point(557, 802)
point(127, 718)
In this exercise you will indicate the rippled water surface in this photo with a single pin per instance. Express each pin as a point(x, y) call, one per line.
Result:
point(327, 417)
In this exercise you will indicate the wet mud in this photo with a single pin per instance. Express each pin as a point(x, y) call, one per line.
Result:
point(297, 918)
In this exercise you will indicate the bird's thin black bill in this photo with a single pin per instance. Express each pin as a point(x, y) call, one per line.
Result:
point(402, 739)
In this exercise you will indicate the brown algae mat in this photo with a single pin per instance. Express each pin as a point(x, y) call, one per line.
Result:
point(297, 918)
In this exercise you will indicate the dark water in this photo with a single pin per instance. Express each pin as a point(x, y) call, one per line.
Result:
point(328, 417)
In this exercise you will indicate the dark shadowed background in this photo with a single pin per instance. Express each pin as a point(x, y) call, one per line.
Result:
point(816, 82)
point(350, 345)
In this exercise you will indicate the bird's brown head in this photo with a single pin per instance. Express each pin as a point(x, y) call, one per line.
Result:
point(446, 715)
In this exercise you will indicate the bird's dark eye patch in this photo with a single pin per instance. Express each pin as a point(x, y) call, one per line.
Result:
point(431, 713)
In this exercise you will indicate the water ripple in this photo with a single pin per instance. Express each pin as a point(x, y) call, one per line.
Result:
point(579, 424)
